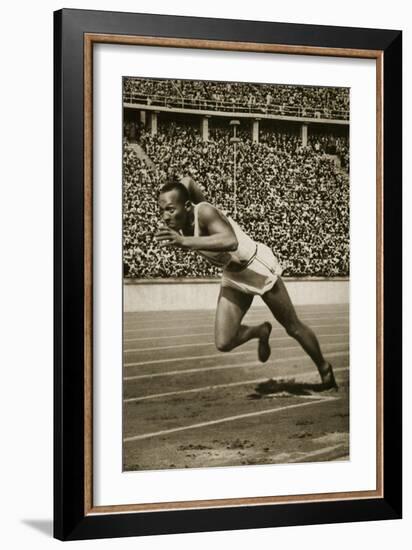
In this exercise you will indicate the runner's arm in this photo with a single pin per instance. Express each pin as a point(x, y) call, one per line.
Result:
point(196, 191)
point(220, 236)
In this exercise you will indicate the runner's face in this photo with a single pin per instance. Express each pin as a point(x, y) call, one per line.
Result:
point(174, 211)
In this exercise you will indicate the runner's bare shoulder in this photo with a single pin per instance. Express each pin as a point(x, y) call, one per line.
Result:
point(211, 217)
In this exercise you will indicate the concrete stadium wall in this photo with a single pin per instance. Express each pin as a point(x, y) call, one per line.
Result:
point(202, 294)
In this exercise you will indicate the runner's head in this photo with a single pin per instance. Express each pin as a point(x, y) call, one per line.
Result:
point(175, 205)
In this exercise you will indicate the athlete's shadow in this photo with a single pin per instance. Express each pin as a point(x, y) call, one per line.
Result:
point(286, 386)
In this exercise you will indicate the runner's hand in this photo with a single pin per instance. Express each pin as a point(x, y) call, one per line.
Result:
point(168, 237)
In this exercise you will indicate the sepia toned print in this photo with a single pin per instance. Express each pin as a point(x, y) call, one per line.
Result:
point(236, 274)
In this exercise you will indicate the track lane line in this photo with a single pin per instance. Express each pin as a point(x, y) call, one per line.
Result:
point(212, 343)
point(254, 310)
point(222, 367)
point(145, 325)
point(168, 336)
point(189, 315)
point(229, 419)
point(210, 333)
point(221, 386)
point(211, 356)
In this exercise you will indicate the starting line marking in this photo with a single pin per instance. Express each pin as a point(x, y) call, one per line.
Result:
point(220, 386)
point(212, 356)
point(221, 367)
point(318, 452)
point(228, 419)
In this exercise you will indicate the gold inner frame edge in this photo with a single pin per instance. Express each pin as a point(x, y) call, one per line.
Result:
point(89, 40)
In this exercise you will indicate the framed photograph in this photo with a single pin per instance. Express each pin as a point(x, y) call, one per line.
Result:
point(227, 274)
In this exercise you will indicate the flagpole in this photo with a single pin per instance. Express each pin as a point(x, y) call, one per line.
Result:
point(234, 140)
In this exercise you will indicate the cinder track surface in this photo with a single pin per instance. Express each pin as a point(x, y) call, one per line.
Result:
point(187, 405)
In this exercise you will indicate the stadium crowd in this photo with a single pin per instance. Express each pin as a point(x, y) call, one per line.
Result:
point(294, 199)
point(302, 101)
point(331, 144)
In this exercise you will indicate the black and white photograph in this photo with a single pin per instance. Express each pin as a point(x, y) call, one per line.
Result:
point(236, 272)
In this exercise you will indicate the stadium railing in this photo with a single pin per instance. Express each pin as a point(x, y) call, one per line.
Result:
point(234, 106)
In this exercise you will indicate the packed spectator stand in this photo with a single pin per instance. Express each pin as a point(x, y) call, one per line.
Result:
point(286, 100)
point(294, 199)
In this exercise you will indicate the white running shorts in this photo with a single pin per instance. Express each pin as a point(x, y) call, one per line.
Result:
point(259, 276)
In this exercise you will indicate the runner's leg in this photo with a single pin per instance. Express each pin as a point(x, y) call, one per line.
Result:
point(229, 332)
point(280, 304)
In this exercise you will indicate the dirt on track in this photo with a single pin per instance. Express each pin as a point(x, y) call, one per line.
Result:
point(188, 406)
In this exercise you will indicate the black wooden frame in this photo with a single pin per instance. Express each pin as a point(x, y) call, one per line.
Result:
point(70, 520)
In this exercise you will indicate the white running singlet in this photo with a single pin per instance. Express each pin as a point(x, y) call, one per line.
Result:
point(244, 252)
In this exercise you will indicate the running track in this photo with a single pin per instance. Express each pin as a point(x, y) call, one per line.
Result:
point(188, 405)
